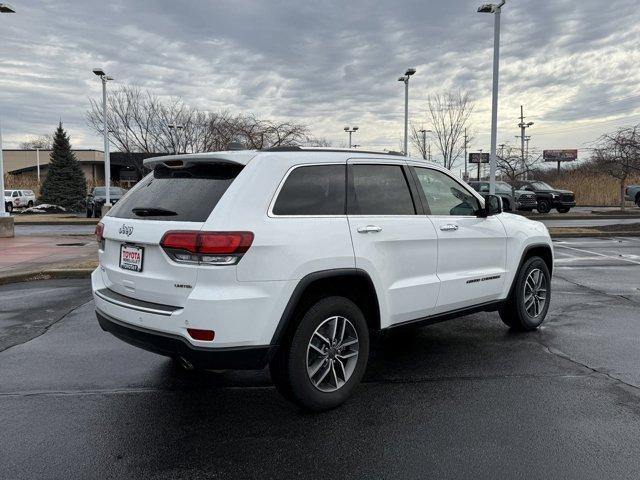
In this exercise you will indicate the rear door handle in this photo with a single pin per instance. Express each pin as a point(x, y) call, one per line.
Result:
point(449, 228)
point(370, 229)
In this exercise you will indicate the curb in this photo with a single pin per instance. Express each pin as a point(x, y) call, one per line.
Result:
point(54, 273)
point(68, 222)
point(595, 235)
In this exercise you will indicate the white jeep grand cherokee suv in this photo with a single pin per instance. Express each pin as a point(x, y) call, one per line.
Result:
point(293, 257)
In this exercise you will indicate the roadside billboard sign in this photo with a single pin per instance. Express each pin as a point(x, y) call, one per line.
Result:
point(560, 155)
point(478, 157)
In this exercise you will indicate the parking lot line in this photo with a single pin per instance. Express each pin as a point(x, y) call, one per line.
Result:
point(611, 257)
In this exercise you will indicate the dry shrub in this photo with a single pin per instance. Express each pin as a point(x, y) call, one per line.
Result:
point(591, 188)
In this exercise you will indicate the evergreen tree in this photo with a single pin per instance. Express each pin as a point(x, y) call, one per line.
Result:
point(65, 184)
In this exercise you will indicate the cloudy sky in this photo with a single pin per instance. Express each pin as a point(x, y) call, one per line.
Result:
point(573, 64)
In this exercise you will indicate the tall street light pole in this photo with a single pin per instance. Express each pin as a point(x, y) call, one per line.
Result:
point(351, 130)
point(105, 130)
point(4, 8)
point(405, 79)
point(496, 10)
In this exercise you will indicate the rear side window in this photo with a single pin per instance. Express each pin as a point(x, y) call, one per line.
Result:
point(313, 190)
point(185, 194)
point(380, 190)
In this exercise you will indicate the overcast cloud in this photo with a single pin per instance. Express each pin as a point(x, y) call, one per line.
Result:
point(573, 64)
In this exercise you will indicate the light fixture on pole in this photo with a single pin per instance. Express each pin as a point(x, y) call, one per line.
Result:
point(105, 130)
point(405, 79)
point(424, 142)
point(4, 8)
point(177, 128)
point(350, 131)
point(496, 10)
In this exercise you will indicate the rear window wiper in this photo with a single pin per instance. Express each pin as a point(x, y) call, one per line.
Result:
point(153, 212)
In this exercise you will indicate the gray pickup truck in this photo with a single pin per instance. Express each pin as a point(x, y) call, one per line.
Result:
point(632, 193)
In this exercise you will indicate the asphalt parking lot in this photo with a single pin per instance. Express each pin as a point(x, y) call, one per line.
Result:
point(461, 399)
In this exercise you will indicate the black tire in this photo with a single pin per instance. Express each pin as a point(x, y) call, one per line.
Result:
point(514, 312)
point(544, 206)
point(638, 200)
point(563, 209)
point(8, 207)
point(30, 204)
point(289, 366)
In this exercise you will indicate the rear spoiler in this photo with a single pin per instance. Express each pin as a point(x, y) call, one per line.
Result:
point(237, 157)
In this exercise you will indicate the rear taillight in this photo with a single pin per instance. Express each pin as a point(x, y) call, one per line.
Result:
point(211, 248)
point(99, 234)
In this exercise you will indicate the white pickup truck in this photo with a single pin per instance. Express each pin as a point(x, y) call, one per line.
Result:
point(18, 199)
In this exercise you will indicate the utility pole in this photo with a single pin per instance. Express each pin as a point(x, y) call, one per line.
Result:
point(466, 144)
point(523, 138)
point(424, 143)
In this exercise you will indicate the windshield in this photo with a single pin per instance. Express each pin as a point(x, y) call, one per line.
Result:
point(103, 191)
point(503, 187)
point(541, 186)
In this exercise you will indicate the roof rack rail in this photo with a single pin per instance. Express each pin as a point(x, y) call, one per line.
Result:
point(287, 148)
point(295, 148)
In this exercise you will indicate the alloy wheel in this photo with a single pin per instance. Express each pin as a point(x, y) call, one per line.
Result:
point(332, 354)
point(535, 293)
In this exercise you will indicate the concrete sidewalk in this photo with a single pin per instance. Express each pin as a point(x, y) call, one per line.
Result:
point(26, 257)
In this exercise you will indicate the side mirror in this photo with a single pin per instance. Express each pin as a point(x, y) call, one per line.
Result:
point(492, 205)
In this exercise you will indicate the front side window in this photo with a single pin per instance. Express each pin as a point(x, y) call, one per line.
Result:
point(380, 190)
point(444, 195)
point(312, 191)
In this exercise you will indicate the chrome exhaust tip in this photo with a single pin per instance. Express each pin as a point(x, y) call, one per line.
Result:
point(186, 364)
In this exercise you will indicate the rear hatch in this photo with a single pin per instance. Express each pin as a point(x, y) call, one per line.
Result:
point(171, 198)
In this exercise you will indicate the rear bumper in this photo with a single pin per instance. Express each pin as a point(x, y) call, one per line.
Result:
point(235, 358)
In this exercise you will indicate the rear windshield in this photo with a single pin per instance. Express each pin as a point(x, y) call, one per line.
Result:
point(185, 195)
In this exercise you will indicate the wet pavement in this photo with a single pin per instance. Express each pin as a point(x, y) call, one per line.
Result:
point(466, 398)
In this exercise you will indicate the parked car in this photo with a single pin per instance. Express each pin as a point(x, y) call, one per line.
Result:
point(549, 197)
point(524, 201)
point(292, 257)
point(18, 199)
point(632, 193)
point(97, 198)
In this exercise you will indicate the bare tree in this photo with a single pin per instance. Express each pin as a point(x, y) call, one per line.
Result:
point(43, 142)
point(618, 155)
point(511, 165)
point(139, 121)
point(448, 115)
